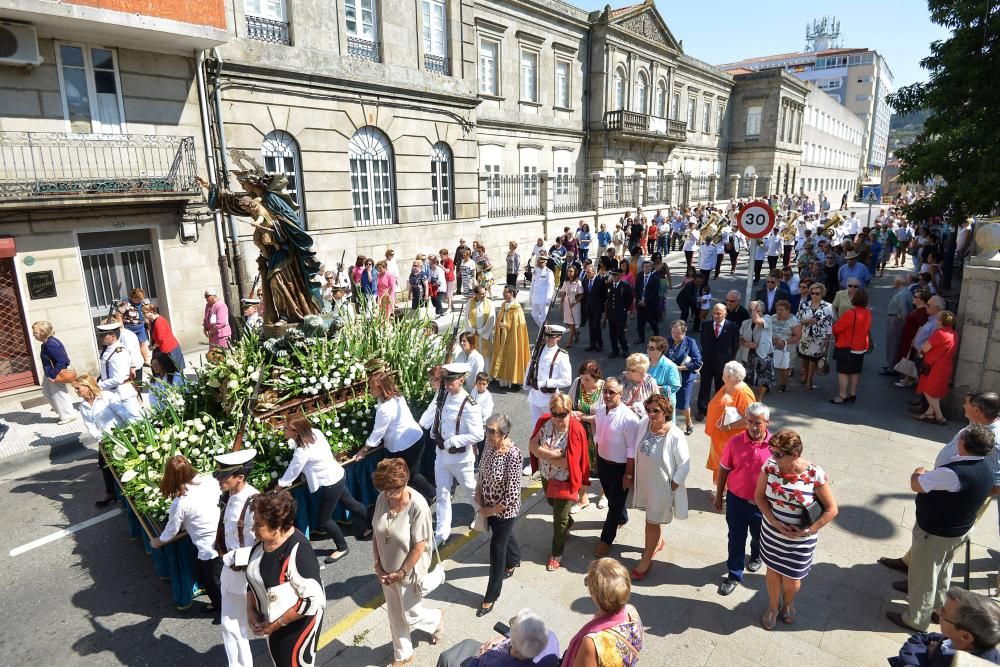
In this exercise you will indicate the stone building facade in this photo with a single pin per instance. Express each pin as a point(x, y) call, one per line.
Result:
point(832, 148)
point(100, 140)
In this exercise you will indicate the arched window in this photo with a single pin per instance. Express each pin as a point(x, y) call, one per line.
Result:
point(641, 93)
point(441, 192)
point(661, 99)
point(618, 101)
point(373, 180)
point(281, 156)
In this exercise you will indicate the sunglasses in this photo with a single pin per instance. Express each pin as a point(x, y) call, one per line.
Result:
point(853, 286)
point(495, 431)
point(560, 415)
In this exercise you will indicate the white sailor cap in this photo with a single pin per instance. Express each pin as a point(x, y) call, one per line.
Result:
point(211, 291)
point(249, 302)
point(554, 330)
point(456, 370)
point(232, 463)
point(108, 328)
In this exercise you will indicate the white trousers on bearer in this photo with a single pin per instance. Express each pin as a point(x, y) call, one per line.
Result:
point(538, 311)
point(407, 613)
point(444, 474)
point(236, 630)
point(59, 397)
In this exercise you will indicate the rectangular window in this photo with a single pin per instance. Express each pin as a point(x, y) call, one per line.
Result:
point(721, 116)
point(753, 122)
point(266, 9)
point(562, 84)
point(529, 76)
point(562, 180)
point(489, 76)
point(706, 117)
point(91, 93)
point(830, 84)
point(492, 172)
point(692, 113)
point(359, 16)
point(435, 30)
point(530, 184)
point(675, 106)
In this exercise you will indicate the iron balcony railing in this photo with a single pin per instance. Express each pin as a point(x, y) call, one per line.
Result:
point(363, 48)
point(36, 164)
point(571, 193)
point(436, 64)
point(632, 121)
point(268, 30)
point(512, 196)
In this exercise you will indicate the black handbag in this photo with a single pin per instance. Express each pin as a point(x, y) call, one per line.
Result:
point(812, 512)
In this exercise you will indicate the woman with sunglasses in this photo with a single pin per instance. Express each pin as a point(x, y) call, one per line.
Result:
point(558, 448)
point(585, 393)
point(498, 495)
point(816, 318)
point(661, 467)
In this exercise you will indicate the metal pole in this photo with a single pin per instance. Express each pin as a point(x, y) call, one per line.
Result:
point(750, 262)
point(869, 225)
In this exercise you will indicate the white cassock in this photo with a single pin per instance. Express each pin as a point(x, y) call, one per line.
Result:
point(543, 286)
point(554, 373)
point(235, 628)
point(461, 427)
point(481, 319)
point(115, 377)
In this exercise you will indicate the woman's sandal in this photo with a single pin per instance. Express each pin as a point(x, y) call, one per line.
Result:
point(930, 419)
point(689, 429)
point(769, 619)
point(552, 565)
point(484, 609)
point(509, 572)
point(788, 615)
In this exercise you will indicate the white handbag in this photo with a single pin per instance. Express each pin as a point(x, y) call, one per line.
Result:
point(435, 576)
point(280, 599)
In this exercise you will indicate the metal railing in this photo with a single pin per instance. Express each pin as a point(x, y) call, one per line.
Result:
point(35, 164)
point(268, 30)
point(436, 64)
point(619, 191)
point(511, 196)
point(571, 193)
point(699, 187)
point(752, 137)
point(363, 48)
point(633, 121)
point(660, 188)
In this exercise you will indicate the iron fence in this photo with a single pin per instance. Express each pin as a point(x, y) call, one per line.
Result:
point(436, 64)
point(511, 196)
point(268, 30)
point(34, 164)
point(699, 187)
point(571, 193)
point(619, 191)
point(660, 189)
point(363, 48)
point(632, 121)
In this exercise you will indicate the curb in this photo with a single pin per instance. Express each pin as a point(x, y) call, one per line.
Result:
point(61, 447)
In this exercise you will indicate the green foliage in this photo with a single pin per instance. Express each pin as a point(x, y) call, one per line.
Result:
point(961, 132)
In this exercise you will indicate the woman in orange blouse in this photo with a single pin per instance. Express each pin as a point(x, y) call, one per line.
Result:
point(737, 394)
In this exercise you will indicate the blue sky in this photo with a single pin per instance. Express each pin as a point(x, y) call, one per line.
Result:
point(726, 30)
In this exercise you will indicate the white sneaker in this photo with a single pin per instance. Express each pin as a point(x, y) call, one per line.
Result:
point(577, 507)
point(602, 503)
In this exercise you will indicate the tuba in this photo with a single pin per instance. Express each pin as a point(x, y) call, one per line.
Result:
point(711, 228)
point(790, 231)
point(830, 224)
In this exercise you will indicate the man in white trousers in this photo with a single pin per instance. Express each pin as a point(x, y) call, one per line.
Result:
point(551, 373)
point(543, 286)
point(233, 543)
point(456, 425)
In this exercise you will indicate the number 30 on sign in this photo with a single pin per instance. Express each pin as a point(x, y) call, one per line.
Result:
point(755, 220)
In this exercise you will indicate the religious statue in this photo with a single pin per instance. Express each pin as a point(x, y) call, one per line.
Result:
point(287, 262)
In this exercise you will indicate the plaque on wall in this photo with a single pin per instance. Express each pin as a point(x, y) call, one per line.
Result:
point(41, 284)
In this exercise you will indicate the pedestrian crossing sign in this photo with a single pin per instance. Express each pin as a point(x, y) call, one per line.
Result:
point(871, 194)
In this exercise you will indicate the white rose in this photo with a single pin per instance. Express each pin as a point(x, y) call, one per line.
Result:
point(192, 439)
point(142, 457)
point(129, 476)
point(233, 384)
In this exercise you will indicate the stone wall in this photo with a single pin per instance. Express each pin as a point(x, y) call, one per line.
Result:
point(978, 364)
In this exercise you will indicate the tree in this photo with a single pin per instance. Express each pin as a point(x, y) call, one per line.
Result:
point(961, 135)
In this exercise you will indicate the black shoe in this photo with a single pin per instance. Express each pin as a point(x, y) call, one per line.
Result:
point(897, 564)
point(728, 585)
point(329, 560)
point(902, 586)
point(483, 610)
point(105, 502)
point(754, 565)
point(851, 399)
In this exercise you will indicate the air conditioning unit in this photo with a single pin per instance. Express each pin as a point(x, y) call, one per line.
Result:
point(19, 44)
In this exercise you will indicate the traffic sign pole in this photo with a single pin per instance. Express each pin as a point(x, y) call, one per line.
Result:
point(754, 243)
point(755, 220)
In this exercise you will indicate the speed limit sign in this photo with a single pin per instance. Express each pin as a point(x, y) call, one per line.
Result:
point(755, 220)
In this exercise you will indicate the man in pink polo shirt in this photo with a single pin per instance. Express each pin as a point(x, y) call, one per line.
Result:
point(739, 467)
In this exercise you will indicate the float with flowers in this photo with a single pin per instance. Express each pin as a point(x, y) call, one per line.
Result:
point(314, 369)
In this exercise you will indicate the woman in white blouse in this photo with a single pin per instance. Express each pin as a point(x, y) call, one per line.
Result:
point(102, 412)
point(314, 460)
point(195, 509)
point(397, 430)
point(469, 355)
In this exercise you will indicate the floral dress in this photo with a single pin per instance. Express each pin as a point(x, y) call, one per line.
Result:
point(587, 402)
point(788, 495)
point(484, 270)
point(812, 345)
point(620, 645)
point(548, 437)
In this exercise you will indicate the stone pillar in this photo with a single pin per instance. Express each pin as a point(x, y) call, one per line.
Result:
point(734, 186)
point(978, 324)
point(597, 193)
point(686, 189)
point(545, 194)
point(713, 186)
point(668, 196)
point(753, 185)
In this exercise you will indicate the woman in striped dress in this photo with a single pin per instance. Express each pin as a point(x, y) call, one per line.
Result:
point(788, 484)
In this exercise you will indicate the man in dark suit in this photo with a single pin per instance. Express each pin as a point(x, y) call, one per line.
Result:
point(772, 293)
point(647, 307)
point(720, 339)
point(595, 291)
point(616, 305)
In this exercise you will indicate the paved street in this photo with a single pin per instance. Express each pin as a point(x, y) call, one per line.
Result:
point(92, 597)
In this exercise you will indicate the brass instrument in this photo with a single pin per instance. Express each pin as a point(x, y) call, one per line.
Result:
point(790, 231)
point(711, 228)
point(830, 224)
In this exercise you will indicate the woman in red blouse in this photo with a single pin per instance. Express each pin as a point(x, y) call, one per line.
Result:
point(939, 362)
point(162, 335)
point(852, 332)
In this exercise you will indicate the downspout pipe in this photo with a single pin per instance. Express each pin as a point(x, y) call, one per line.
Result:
point(234, 232)
point(220, 238)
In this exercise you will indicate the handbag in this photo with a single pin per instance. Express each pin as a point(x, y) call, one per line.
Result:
point(280, 599)
point(480, 524)
point(811, 513)
point(557, 489)
point(782, 359)
point(906, 367)
point(435, 576)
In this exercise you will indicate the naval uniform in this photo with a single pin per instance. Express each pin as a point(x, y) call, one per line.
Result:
point(455, 430)
point(116, 365)
point(543, 286)
point(235, 628)
point(553, 372)
point(616, 307)
point(255, 321)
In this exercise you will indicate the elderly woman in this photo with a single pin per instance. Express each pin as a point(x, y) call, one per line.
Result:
point(467, 269)
point(614, 635)
point(852, 331)
point(939, 361)
point(816, 318)
point(786, 332)
point(661, 467)
point(787, 485)
point(558, 448)
point(685, 353)
point(757, 349)
point(282, 558)
point(726, 416)
point(585, 393)
point(387, 286)
point(842, 299)
point(403, 531)
point(498, 495)
point(57, 370)
point(637, 383)
point(663, 370)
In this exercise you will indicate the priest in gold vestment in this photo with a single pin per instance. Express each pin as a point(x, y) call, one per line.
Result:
point(511, 351)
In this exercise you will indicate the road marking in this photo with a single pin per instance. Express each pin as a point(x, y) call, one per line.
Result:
point(65, 532)
point(367, 608)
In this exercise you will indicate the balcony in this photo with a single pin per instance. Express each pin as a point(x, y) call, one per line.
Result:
point(268, 30)
point(436, 64)
point(79, 169)
point(363, 48)
point(641, 126)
